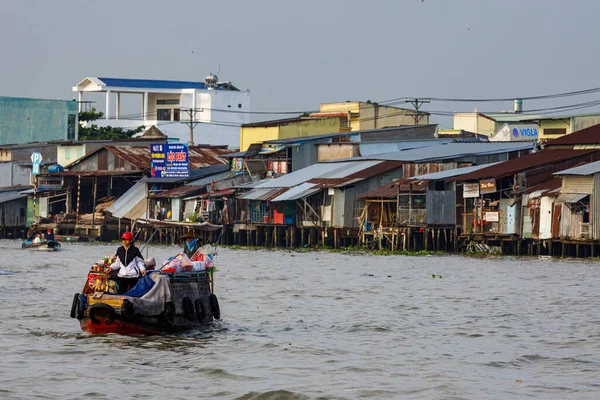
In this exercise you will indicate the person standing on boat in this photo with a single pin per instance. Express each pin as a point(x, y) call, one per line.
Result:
point(129, 262)
point(32, 232)
point(191, 244)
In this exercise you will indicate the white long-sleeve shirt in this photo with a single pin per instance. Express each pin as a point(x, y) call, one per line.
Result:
point(132, 270)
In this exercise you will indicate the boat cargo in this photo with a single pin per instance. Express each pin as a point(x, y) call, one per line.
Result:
point(161, 302)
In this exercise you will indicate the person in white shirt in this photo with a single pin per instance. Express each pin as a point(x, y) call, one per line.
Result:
point(129, 262)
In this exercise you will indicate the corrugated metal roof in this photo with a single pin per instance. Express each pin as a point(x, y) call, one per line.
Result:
point(303, 175)
point(589, 135)
point(298, 192)
point(570, 197)
point(549, 185)
point(368, 149)
point(451, 172)
point(194, 174)
point(529, 161)
point(350, 175)
point(450, 151)
point(218, 193)
point(139, 156)
point(300, 140)
point(262, 194)
point(11, 195)
point(216, 177)
point(198, 156)
point(332, 174)
point(585, 169)
point(181, 191)
point(132, 204)
point(514, 117)
point(390, 191)
point(387, 192)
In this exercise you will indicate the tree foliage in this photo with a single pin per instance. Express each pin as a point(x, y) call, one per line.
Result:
point(95, 132)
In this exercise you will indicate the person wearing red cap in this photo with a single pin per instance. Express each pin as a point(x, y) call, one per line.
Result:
point(129, 262)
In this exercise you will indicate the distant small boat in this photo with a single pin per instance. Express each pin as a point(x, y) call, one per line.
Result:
point(50, 245)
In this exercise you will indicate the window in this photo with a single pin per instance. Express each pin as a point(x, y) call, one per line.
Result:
point(71, 127)
point(79, 152)
point(163, 115)
point(555, 131)
point(67, 153)
point(228, 105)
point(176, 114)
point(239, 105)
point(167, 101)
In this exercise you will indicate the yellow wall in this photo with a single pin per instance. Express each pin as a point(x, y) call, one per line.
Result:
point(474, 122)
point(554, 124)
point(67, 154)
point(301, 128)
point(336, 151)
point(363, 115)
point(257, 134)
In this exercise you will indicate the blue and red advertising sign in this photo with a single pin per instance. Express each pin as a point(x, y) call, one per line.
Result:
point(169, 160)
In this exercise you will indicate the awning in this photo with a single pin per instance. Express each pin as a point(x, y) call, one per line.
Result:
point(298, 192)
point(203, 226)
point(262, 194)
point(218, 193)
point(570, 197)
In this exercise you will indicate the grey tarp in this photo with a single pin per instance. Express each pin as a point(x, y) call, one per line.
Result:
point(153, 302)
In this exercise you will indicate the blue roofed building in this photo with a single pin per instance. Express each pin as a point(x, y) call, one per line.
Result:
point(213, 108)
point(25, 120)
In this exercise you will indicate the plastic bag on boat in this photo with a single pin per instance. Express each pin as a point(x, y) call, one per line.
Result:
point(179, 263)
point(198, 265)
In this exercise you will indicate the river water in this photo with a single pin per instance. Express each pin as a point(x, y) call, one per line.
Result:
point(316, 325)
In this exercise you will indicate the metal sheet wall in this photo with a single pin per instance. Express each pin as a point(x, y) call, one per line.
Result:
point(577, 184)
point(13, 213)
point(441, 207)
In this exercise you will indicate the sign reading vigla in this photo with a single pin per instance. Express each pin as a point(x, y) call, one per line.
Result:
point(524, 132)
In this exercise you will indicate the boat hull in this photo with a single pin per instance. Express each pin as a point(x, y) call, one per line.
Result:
point(184, 302)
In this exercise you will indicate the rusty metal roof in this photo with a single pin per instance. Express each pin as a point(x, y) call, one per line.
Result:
point(589, 135)
point(546, 186)
point(527, 162)
point(139, 156)
point(198, 156)
point(218, 193)
point(96, 173)
point(178, 192)
point(262, 194)
point(357, 176)
point(387, 192)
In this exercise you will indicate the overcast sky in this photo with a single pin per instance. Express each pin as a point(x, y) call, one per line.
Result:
point(295, 55)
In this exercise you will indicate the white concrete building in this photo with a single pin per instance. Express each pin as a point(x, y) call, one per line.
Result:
point(216, 109)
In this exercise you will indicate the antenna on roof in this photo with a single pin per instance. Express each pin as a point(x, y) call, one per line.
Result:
point(219, 69)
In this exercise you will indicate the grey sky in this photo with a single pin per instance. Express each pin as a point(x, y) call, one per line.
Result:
point(295, 55)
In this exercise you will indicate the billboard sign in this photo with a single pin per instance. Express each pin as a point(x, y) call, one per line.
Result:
point(169, 160)
point(470, 190)
point(524, 132)
point(487, 186)
point(50, 183)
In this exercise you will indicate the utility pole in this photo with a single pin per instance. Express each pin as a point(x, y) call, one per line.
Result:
point(417, 103)
point(192, 124)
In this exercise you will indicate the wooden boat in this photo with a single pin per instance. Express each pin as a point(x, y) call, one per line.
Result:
point(50, 245)
point(175, 302)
